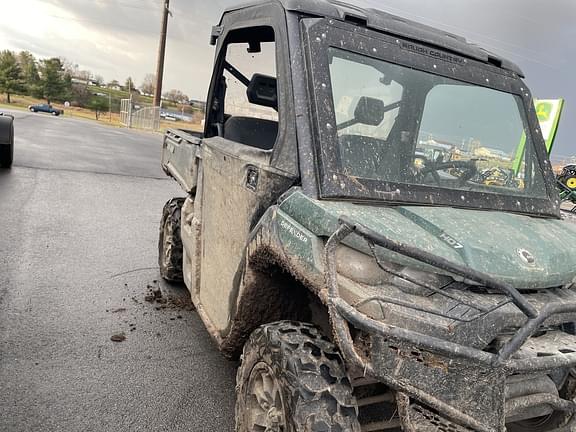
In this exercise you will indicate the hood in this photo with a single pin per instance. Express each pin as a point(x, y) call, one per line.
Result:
point(523, 251)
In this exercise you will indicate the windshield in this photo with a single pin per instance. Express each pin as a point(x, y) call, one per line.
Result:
point(401, 125)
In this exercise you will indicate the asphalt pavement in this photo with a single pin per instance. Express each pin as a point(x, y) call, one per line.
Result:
point(79, 216)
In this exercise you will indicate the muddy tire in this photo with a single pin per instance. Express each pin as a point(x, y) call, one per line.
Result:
point(6, 142)
point(292, 379)
point(170, 242)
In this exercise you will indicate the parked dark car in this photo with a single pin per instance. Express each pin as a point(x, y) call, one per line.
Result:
point(47, 108)
point(6, 140)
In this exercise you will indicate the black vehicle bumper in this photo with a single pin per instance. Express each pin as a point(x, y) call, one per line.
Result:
point(463, 384)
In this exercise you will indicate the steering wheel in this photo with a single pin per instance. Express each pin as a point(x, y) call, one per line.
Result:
point(469, 167)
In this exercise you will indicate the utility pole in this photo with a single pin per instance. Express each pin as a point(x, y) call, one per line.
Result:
point(130, 103)
point(161, 53)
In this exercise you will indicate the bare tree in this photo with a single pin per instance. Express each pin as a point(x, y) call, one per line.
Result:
point(84, 75)
point(149, 84)
point(70, 67)
point(176, 96)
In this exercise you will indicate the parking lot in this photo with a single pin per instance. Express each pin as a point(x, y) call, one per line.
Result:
point(78, 268)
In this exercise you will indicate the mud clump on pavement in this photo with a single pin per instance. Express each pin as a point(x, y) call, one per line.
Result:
point(155, 295)
point(178, 303)
point(118, 337)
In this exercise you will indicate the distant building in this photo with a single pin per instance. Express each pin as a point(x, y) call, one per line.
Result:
point(201, 105)
point(79, 81)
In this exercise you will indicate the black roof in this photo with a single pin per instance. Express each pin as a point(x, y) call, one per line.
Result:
point(391, 24)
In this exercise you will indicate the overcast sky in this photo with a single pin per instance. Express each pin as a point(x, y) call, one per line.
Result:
point(119, 38)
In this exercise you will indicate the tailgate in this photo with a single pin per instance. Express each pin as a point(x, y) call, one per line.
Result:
point(179, 152)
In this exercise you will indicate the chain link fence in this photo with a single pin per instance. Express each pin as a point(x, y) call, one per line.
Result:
point(143, 118)
point(125, 112)
point(146, 118)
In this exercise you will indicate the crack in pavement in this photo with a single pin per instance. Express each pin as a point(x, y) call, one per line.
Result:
point(90, 172)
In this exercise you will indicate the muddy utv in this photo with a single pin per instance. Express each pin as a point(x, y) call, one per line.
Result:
point(369, 280)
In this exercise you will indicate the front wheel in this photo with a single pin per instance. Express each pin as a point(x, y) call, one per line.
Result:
point(170, 242)
point(292, 379)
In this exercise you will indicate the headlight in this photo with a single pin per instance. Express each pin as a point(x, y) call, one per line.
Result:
point(364, 269)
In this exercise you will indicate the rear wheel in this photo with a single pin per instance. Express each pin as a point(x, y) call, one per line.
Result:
point(6, 142)
point(292, 379)
point(170, 242)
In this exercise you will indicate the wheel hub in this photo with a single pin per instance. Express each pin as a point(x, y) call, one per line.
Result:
point(264, 401)
point(167, 244)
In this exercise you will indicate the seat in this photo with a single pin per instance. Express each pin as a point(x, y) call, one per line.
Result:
point(254, 132)
point(361, 156)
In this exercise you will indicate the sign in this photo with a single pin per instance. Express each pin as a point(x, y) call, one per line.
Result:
point(548, 112)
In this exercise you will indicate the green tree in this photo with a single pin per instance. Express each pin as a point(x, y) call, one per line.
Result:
point(10, 74)
point(52, 80)
point(30, 75)
point(67, 86)
point(98, 104)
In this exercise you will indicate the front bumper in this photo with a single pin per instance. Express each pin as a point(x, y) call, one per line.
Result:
point(464, 384)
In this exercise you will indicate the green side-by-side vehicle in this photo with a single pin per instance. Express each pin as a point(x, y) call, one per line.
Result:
point(355, 228)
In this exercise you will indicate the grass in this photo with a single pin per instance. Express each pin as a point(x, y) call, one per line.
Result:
point(19, 102)
point(141, 99)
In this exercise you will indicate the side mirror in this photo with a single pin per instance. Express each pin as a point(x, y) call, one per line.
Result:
point(262, 90)
point(368, 111)
point(254, 47)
